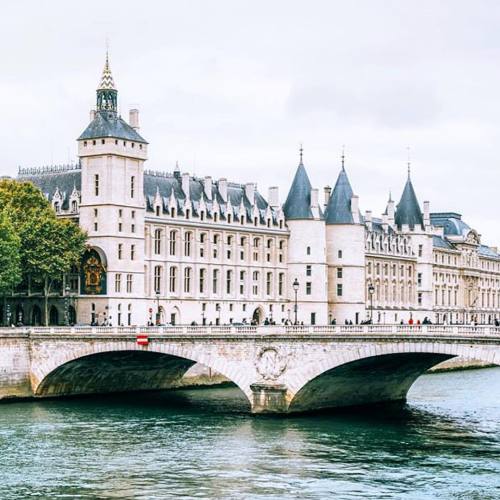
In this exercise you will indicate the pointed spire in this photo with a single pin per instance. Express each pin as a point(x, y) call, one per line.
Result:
point(107, 95)
point(298, 201)
point(343, 157)
point(338, 209)
point(408, 211)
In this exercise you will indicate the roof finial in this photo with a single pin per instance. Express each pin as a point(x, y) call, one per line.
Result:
point(343, 156)
point(390, 195)
point(301, 152)
point(409, 162)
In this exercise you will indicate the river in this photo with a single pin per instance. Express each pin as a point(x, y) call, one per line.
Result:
point(445, 443)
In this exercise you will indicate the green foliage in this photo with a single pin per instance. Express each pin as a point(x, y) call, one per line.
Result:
point(10, 255)
point(47, 247)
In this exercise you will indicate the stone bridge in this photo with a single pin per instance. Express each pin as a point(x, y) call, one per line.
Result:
point(279, 369)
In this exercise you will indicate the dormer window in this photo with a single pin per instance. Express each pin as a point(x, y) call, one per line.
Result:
point(187, 213)
point(229, 218)
point(74, 206)
point(157, 210)
point(57, 207)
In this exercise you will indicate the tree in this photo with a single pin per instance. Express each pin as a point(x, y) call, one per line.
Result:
point(49, 246)
point(10, 258)
point(52, 246)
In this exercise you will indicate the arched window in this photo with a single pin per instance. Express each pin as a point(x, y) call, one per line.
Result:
point(157, 279)
point(215, 280)
point(74, 206)
point(172, 242)
point(173, 280)
point(157, 239)
point(187, 280)
point(187, 243)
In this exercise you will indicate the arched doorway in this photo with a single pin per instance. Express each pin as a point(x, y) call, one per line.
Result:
point(257, 316)
point(36, 316)
point(53, 316)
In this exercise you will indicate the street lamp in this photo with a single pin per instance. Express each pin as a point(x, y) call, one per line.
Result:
point(371, 291)
point(295, 286)
point(157, 308)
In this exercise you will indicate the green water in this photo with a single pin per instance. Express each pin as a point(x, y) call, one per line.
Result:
point(202, 444)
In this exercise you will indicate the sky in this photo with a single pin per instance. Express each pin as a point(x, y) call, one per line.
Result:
point(232, 88)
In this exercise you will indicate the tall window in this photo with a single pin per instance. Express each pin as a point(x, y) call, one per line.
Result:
point(157, 279)
point(269, 283)
point(215, 280)
point(187, 243)
point(173, 279)
point(157, 241)
point(173, 237)
point(132, 252)
point(308, 270)
point(308, 288)
point(120, 250)
point(339, 290)
point(187, 280)
point(129, 283)
point(96, 184)
point(255, 286)
point(132, 186)
point(281, 279)
point(202, 280)
point(339, 272)
point(229, 281)
point(242, 282)
point(118, 282)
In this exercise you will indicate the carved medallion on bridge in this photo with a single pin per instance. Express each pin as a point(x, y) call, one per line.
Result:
point(270, 363)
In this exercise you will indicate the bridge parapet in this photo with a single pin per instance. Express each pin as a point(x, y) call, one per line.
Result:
point(243, 331)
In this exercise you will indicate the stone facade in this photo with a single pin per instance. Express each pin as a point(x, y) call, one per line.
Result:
point(173, 248)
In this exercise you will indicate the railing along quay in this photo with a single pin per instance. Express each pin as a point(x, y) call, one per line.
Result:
point(248, 330)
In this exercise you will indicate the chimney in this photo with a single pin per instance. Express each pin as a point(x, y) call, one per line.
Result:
point(314, 198)
point(385, 225)
point(207, 187)
point(250, 192)
point(223, 188)
point(355, 209)
point(273, 197)
point(427, 214)
point(368, 219)
point(134, 119)
point(185, 184)
point(328, 192)
point(390, 212)
point(92, 115)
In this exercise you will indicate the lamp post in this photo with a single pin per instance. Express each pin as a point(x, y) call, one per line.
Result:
point(371, 291)
point(66, 305)
point(295, 286)
point(157, 308)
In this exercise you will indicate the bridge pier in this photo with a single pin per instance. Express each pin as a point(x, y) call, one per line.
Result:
point(268, 398)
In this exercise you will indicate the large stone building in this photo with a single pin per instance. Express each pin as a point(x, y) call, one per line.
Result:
point(173, 248)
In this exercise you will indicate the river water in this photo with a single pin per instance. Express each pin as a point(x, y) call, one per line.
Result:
point(445, 443)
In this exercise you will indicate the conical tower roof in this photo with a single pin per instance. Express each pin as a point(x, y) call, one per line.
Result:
point(298, 201)
point(107, 82)
point(408, 210)
point(338, 210)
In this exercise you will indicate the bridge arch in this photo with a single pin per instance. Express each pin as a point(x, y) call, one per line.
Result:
point(117, 366)
point(372, 374)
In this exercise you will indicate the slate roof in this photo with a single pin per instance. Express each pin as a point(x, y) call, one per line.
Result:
point(165, 183)
point(110, 124)
point(298, 201)
point(451, 222)
point(408, 210)
point(486, 251)
point(48, 180)
point(338, 210)
point(439, 242)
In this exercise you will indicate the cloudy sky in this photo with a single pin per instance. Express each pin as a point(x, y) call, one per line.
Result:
point(231, 88)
